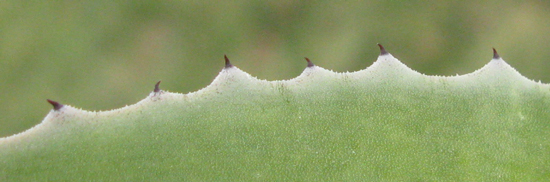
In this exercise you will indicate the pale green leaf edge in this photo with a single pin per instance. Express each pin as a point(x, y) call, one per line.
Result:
point(385, 63)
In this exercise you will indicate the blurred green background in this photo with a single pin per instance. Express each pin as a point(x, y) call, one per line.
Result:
point(102, 55)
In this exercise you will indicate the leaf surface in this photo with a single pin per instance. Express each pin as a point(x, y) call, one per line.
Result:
point(386, 122)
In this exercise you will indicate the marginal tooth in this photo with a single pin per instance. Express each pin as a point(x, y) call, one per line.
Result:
point(495, 54)
point(309, 63)
point(382, 50)
point(56, 105)
point(227, 63)
point(157, 88)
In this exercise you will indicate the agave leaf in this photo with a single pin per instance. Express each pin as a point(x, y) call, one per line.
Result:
point(386, 122)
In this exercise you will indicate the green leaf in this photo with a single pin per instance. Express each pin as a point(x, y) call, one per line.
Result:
point(386, 122)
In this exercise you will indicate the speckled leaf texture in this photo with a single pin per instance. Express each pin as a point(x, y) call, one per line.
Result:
point(386, 122)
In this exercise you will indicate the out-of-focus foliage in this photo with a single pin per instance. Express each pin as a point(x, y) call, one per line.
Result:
point(101, 55)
